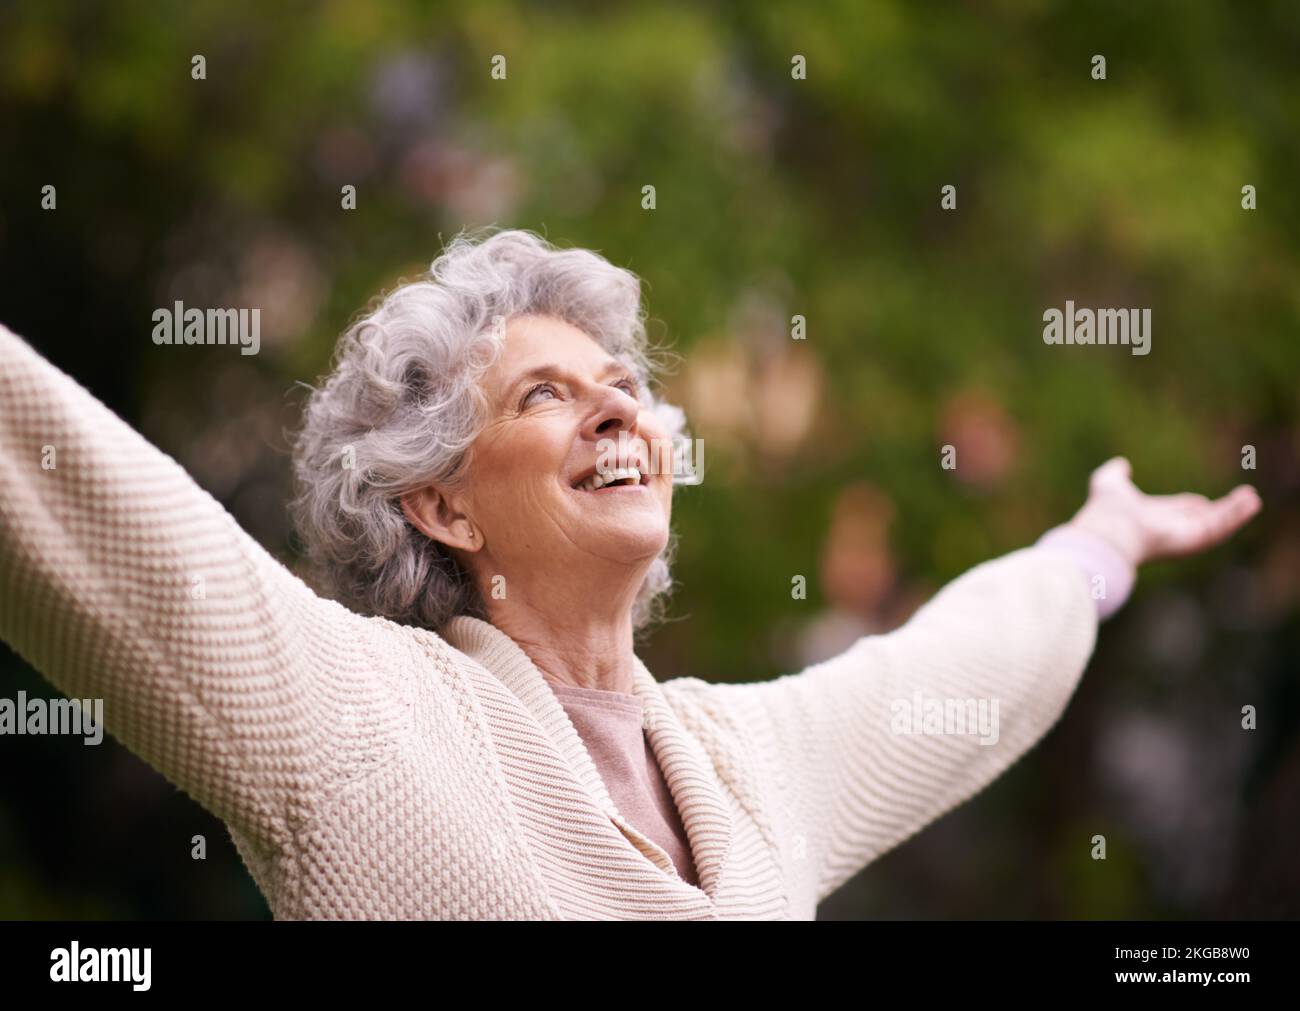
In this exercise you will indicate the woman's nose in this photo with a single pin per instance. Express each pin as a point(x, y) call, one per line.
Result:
point(615, 411)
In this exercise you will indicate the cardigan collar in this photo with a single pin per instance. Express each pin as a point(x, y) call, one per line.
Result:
point(686, 766)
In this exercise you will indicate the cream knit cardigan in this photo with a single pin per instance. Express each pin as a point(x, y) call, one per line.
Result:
point(367, 769)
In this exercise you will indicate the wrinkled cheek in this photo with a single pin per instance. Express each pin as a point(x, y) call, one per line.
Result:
point(512, 507)
point(539, 512)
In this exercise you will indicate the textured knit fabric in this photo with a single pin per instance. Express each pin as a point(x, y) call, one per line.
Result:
point(610, 723)
point(611, 727)
point(1110, 575)
point(371, 769)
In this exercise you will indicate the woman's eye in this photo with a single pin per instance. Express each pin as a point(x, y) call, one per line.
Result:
point(539, 388)
point(627, 384)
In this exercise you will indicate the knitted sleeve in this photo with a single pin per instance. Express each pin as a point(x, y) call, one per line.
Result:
point(122, 580)
point(867, 748)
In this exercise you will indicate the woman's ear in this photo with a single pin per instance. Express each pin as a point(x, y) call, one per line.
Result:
point(434, 515)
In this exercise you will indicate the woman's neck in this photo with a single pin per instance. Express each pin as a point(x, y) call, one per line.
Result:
point(572, 647)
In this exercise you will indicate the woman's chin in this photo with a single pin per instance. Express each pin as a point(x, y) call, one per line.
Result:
point(624, 523)
point(637, 538)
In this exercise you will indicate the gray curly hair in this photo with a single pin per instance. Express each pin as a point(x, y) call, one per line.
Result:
point(403, 404)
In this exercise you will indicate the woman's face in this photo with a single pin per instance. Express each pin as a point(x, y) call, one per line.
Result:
point(556, 396)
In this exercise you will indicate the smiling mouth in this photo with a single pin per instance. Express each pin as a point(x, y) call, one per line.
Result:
point(622, 478)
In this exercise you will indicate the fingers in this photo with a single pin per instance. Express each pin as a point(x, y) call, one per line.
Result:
point(1224, 516)
point(1188, 500)
point(1244, 502)
point(1116, 470)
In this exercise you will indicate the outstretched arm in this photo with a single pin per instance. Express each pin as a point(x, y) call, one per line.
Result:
point(869, 747)
point(121, 579)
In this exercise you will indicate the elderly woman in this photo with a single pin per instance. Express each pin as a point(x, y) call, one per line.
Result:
point(466, 731)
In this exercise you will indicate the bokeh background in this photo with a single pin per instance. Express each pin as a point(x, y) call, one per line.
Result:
point(775, 196)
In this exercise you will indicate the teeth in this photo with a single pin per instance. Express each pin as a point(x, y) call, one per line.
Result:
point(597, 480)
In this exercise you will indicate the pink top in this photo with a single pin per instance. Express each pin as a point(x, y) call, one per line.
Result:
point(610, 725)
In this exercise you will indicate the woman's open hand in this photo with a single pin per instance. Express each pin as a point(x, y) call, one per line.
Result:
point(1147, 527)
